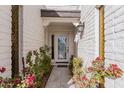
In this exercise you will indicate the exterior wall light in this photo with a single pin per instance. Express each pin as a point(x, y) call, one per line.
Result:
point(79, 31)
point(80, 27)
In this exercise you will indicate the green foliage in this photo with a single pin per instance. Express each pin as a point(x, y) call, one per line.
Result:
point(39, 63)
point(77, 66)
point(71, 64)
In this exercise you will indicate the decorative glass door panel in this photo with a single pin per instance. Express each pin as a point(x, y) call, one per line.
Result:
point(62, 47)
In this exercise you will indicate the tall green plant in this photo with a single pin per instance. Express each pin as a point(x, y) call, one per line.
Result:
point(41, 63)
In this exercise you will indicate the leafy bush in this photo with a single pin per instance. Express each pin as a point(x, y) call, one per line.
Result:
point(39, 63)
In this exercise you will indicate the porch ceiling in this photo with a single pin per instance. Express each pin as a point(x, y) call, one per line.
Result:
point(60, 13)
point(64, 24)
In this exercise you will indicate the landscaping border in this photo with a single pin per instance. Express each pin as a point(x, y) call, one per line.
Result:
point(46, 77)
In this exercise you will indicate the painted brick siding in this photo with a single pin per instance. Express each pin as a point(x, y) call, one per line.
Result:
point(5, 39)
point(33, 34)
point(114, 40)
point(86, 46)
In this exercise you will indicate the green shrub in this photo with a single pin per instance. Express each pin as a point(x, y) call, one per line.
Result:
point(71, 64)
point(39, 63)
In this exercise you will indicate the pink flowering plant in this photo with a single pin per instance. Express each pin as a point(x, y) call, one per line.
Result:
point(35, 74)
point(8, 82)
point(28, 82)
point(97, 73)
point(113, 71)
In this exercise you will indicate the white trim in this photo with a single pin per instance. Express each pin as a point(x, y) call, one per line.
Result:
point(96, 32)
point(20, 37)
point(48, 20)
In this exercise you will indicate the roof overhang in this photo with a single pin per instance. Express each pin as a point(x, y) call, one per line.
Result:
point(60, 13)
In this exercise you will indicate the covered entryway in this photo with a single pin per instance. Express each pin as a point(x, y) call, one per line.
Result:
point(59, 29)
point(59, 33)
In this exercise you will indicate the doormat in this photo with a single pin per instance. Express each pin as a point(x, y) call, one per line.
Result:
point(62, 62)
point(62, 66)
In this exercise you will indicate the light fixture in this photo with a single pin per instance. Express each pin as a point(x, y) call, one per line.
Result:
point(80, 27)
point(79, 32)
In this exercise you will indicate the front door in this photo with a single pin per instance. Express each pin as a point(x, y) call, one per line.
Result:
point(62, 48)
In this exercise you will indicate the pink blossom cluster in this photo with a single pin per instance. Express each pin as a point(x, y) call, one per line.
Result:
point(114, 71)
point(30, 80)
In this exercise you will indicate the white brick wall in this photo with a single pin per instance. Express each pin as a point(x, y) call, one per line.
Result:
point(5, 39)
point(33, 34)
point(86, 46)
point(114, 40)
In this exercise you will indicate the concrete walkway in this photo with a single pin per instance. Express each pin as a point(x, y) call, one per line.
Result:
point(59, 78)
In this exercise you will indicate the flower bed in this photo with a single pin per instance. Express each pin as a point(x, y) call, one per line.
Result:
point(97, 73)
point(35, 74)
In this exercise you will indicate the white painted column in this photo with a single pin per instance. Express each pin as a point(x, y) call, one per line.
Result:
point(20, 37)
